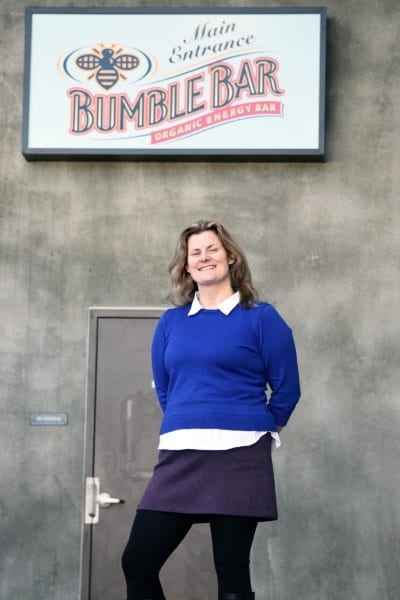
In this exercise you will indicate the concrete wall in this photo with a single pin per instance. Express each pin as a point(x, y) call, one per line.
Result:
point(323, 243)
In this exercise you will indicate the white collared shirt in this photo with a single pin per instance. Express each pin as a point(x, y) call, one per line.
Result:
point(226, 306)
point(213, 439)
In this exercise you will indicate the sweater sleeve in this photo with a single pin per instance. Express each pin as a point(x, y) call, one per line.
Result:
point(160, 374)
point(279, 352)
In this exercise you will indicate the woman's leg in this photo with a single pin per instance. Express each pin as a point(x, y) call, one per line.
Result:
point(232, 538)
point(154, 536)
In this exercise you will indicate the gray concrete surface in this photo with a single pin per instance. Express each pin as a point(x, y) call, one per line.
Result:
point(323, 243)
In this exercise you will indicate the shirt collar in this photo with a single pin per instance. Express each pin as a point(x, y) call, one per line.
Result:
point(225, 307)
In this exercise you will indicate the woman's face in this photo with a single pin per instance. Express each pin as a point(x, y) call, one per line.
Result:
point(207, 260)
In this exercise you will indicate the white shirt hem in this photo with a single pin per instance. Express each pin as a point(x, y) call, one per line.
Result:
point(213, 439)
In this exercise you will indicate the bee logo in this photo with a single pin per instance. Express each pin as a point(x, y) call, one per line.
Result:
point(107, 65)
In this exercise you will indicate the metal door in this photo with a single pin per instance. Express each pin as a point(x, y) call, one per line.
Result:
point(122, 424)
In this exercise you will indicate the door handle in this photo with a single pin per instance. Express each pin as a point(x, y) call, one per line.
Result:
point(94, 500)
point(104, 500)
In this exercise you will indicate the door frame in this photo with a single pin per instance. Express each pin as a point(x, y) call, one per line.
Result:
point(96, 313)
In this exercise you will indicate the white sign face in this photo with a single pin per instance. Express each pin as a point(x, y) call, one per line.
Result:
point(175, 83)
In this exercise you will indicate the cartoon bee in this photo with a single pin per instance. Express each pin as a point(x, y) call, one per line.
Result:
point(107, 66)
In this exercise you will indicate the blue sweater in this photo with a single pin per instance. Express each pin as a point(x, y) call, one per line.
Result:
point(211, 370)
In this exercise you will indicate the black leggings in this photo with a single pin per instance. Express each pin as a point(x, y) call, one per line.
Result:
point(155, 535)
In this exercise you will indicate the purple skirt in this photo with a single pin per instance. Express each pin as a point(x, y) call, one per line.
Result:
point(237, 482)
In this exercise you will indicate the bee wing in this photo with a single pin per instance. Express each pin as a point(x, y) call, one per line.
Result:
point(126, 62)
point(88, 61)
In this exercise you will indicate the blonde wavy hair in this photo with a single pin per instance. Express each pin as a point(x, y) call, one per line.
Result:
point(183, 288)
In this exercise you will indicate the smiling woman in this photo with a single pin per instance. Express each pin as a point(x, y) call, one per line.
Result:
point(184, 286)
point(208, 265)
point(213, 357)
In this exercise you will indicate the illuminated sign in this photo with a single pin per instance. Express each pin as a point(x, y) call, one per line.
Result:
point(174, 83)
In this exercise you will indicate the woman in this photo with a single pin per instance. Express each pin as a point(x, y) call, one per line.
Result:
point(226, 377)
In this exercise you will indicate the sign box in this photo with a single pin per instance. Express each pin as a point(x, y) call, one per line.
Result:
point(109, 83)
